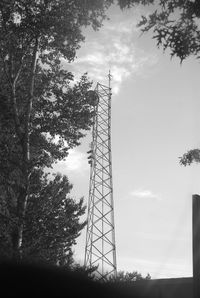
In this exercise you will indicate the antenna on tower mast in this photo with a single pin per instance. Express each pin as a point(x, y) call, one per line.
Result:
point(100, 249)
point(109, 79)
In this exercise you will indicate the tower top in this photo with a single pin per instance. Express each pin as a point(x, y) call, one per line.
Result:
point(109, 78)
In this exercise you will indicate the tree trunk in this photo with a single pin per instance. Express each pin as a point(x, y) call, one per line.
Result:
point(24, 137)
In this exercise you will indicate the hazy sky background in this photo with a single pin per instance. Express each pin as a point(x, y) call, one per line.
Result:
point(155, 120)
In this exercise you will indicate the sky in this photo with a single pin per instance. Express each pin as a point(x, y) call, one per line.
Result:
point(155, 120)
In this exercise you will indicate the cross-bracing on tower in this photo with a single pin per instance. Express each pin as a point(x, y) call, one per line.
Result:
point(100, 247)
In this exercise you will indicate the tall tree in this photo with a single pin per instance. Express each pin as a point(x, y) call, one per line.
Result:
point(43, 113)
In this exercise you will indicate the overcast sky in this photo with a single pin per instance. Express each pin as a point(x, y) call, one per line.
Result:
point(155, 120)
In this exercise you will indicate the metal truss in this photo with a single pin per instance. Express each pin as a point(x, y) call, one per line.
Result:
point(100, 247)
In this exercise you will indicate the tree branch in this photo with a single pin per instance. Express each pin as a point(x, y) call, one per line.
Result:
point(31, 90)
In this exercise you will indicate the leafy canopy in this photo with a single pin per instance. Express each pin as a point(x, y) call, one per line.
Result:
point(44, 112)
point(52, 222)
point(175, 26)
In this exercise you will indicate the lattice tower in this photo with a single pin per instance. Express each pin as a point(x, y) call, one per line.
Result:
point(100, 249)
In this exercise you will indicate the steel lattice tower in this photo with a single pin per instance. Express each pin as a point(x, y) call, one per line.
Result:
point(100, 247)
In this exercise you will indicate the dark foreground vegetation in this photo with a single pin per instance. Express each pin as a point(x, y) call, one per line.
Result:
point(28, 280)
point(25, 280)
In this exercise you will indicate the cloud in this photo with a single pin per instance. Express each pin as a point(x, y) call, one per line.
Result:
point(127, 26)
point(144, 194)
point(75, 162)
point(112, 47)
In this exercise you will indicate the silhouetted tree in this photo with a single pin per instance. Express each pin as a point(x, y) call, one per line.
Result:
point(52, 222)
point(123, 276)
point(42, 113)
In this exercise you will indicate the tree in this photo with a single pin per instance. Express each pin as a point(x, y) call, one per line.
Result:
point(44, 114)
point(123, 276)
point(52, 222)
point(190, 157)
point(175, 25)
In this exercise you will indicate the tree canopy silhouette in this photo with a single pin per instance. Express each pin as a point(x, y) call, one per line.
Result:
point(44, 112)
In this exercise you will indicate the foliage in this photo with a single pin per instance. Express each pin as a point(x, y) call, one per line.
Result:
point(175, 25)
point(123, 276)
point(190, 157)
point(123, 4)
point(51, 225)
point(52, 222)
point(43, 111)
point(89, 272)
